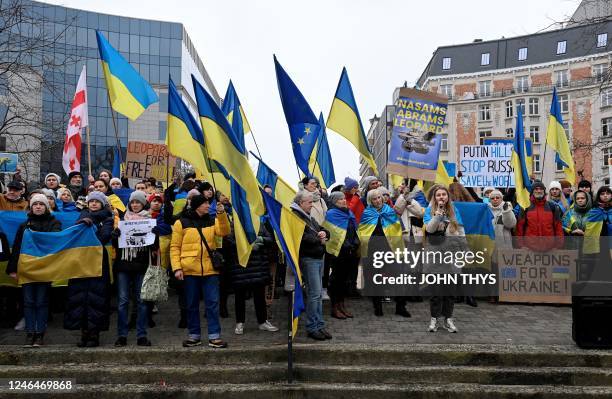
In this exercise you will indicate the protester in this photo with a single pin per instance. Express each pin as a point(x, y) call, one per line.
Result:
point(541, 219)
point(12, 200)
point(131, 265)
point(585, 186)
point(192, 235)
point(141, 186)
point(65, 202)
point(386, 195)
point(504, 220)
point(115, 183)
point(208, 191)
point(368, 183)
point(351, 190)
point(442, 220)
point(75, 185)
point(36, 294)
point(556, 196)
point(380, 221)
point(602, 212)
point(343, 252)
point(566, 188)
point(116, 205)
point(52, 182)
point(486, 194)
point(410, 205)
point(51, 198)
point(88, 304)
point(574, 220)
point(312, 250)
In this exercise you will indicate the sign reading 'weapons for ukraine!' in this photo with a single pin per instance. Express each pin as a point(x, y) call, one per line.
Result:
point(415, 140)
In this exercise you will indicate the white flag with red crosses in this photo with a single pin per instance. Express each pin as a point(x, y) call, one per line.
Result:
point(71, 159)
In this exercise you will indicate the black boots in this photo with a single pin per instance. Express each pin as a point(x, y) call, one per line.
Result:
point(89, 339)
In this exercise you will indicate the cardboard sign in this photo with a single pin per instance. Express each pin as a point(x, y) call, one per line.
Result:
point(415, 140)
point(8, 162)
point(146, 160)
point(136, 233)
point(486, 166)
point(536, 277)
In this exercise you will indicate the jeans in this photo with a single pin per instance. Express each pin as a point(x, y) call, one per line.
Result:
point(259, 299)
point(36, 306)
point(125, 281)
point(208, 286)
point(442, 306)
point(312, 269)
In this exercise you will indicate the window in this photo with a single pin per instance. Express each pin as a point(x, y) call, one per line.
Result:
point(484, 112)
point(607, 154)
point(446, 63)
point(600, 71)
point(484, 88)
point(483, 135)
point(522, 54)
point(534, 106)
point(520, 105)
point(566, 129)
point(444, 143)
point(509, 109)
point(561, 46)
point(602, 40)
point(606, 98)
point(522, 84)
point(561, 78)
point(534, 134)
point(447, 90)
point(485, 58)
point(536, 162)
point(606, 127)
point(564, 103)
point(509, 132)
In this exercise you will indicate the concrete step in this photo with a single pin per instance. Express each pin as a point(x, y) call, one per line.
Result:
point(322, 391)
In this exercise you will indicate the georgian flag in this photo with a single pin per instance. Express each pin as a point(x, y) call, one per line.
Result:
point(71, 158)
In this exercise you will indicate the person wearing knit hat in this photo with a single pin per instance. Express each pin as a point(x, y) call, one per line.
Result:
point(65, 202)
point(538, 184)
point(566, 188)
point(115, 183)
point(40, 198)
point(139, 196)
point(350, 184)
point(556, 195)
point(98, 196)
point(504, 220)
point(52, 181)
point(51, 198)
point(75, 184)
point(198, 200)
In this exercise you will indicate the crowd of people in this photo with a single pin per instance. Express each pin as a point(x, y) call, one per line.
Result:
point(194, 224)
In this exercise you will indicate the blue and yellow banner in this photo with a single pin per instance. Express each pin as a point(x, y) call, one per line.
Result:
point(281, 190)
point(320, 162)
point(129, 93)
point(231, 106)
point(519, 164)
point(390, 223)
point(337, 222)
point(558, 141)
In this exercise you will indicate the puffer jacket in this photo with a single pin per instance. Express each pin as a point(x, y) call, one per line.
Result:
point(257, 270)
point(541, 219)
point(187, 251)
point(88, 299)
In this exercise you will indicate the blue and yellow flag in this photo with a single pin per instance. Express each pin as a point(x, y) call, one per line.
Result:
point(281, 190)
point(521, 173)
point(320, 162)
point(289, 229)
point(302, 122)
point(596, 219)
point(116, 202)
point(130, 94)
point(557, 140)
point(118, 166)
point(390, 223)
point(337, 222)
point(479, 231)
point(442, 175)
point(74, 252)
point(185, 138)
point(230, 153)
point(231, 106)
point(344, 119)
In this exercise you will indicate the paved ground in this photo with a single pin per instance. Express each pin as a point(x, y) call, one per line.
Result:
point(486, 324)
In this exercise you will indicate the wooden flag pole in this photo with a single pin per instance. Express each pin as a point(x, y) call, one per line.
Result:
point(88, 149)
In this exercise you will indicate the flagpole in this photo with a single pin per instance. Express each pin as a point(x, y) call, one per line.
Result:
point(88, 149)
point(290, 339)
point(256, 146)
point(112, 111)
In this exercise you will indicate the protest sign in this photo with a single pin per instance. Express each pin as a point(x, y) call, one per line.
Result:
point(8, 162)
point(136, 233)
point(536, 277)
point(146, 160)
point(415, 139)
point(486, 166)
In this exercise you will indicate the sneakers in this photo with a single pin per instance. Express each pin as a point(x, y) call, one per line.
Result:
point(449, 324)
point(39, 340)
point(20, 326)
point(217, 343)
point(143, 341)
point(121, 341)
point(267, 326)
point(433, 325)
point(324, 294)
point(239, 330)
point(191, 342)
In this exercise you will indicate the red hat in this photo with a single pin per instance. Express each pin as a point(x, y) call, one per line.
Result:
point(156, 196)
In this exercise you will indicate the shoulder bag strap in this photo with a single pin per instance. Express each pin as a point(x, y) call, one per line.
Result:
point(199, 229)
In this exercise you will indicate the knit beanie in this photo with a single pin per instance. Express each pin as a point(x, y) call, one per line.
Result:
point(115, 180)
point(554, 184)
point(350, 184)
point(198, 200)
point(39, 198)
point(537, 184)
point(100, 197)
point(192, 193)
point(139, 196)
point(156, 196)
point(53, 174)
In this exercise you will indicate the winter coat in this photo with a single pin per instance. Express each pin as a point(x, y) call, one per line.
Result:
point(541, 219)
point(257, 270)
point(319, 209)
point(311, 246)
point(88, 299)
point(8, 205)
point(43, 223)
point(77, 191)
point(354, 204)
point(187, 251)
point(440, 238)
point(409, 210)
point(133, 260)
point(503, 223)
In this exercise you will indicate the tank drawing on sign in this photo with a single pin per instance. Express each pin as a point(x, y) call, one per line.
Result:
point(413, 140)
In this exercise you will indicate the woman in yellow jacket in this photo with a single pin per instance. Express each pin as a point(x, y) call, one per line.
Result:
point(191, 262)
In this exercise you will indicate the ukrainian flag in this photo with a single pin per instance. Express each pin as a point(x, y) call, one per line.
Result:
point(289, 229)
point(74, 252)
point(521, 173)
point(130, 94)
point(390, 223)
point(596, 218)
point(303, 124)
point(281, 190)
point(185, 138)
point(395, 180)
point(442, 176)
point(231, 106)
point(479, 231)
point(320, 161)
point(557, 140)
point(344, 119)
point(337, 222)
point(117, 164)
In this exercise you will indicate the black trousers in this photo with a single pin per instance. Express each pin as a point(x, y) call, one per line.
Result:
point(259, 299)
point(441, 306)
point(342, 269)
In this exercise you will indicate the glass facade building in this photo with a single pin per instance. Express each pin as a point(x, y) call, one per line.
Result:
point(157, 50)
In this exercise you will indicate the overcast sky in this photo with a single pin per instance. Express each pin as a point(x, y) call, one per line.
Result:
point(382, 43)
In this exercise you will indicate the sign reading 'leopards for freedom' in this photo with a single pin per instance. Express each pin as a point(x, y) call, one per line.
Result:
point(149, 160)
point(486, 166)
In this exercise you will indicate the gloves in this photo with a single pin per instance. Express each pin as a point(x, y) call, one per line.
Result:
point(155, 230)
point(85, 221)
point(115, 234)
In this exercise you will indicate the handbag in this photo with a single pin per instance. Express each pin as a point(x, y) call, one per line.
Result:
point(216, 257)
point(155, 282)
